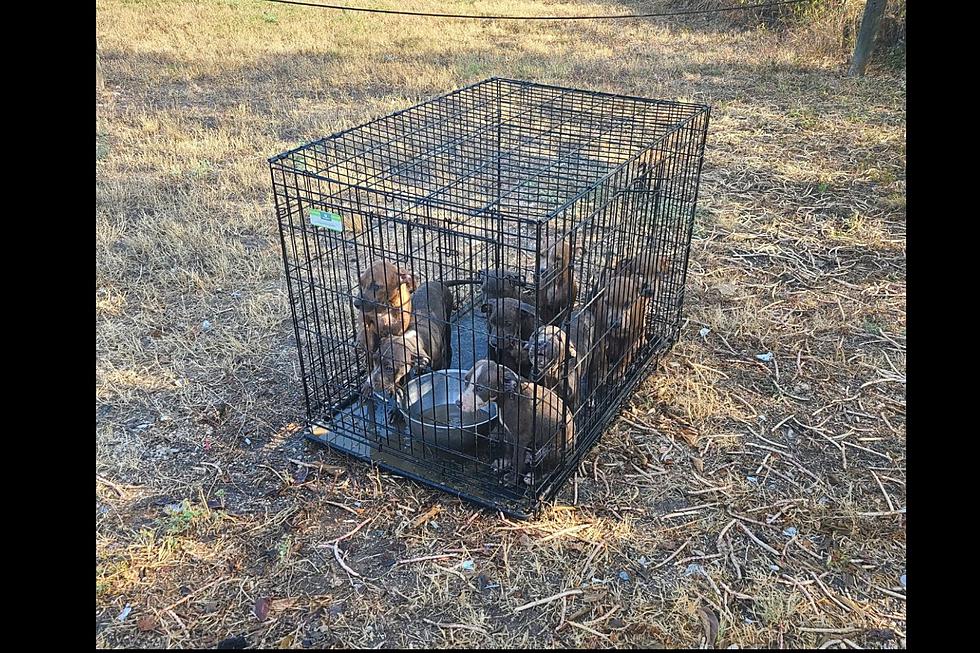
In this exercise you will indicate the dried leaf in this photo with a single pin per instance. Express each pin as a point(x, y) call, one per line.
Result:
point(426, 516)
point(698, 464)
point(690, 436)
point(261, 608)
point(282, 604)
point(146, 622)
point(709, 621)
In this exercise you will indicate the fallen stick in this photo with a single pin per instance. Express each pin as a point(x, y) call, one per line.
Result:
point(109, 484)
point(757, 540)
point(584, 627)
point(336, 554)
point(462, 626)
point(564, 531)
point(548, 600)
point(424, 558)
point(359, 527)
point(900, 511)
point(672, 555)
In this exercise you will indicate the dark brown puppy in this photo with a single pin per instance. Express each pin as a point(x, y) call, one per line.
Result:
point(385, 302)
point(620, 320)
point(510, 323)
point(560, 361)
point(497, 284)
point(557, 288)
point(426, 343)
point(537, 425)
point(432, 305)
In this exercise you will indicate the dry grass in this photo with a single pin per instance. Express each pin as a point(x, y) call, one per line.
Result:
point(682, 527)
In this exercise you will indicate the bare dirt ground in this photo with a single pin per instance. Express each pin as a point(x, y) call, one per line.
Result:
point(735, 501)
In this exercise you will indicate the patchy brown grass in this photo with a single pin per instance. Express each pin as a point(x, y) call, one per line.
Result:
point(682, 525)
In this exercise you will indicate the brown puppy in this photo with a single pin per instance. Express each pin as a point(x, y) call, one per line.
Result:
point(510, 323)
point(385, 301)
point(649, 266)
point(497, 284)
point(550, 347)
point(557, 288)
point(620, 314)
point(426, 343)
point(537, 425)
point(397, 356)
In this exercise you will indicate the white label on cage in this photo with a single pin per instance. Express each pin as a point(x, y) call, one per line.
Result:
point(327, 220)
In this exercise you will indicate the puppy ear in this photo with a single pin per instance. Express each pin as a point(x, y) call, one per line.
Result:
point(527, 309)
point(510, 380)
point(571, 351)
point(407, 279)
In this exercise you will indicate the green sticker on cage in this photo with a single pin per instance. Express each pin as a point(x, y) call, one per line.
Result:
point(327, 220)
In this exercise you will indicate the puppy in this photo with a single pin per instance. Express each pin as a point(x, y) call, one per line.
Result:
point(510, 323)
point(549, 349)
point(397, 356)
point(497, 284)
point(620, 313)
point(385, 302)
point(426, 344)
point(432, 304)
point(537, 426)
point(649, 266)
point(557, 286)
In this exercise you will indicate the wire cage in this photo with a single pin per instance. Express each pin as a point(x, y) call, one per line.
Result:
point(478, 281)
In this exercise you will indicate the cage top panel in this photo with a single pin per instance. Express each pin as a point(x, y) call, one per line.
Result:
point(497, 146)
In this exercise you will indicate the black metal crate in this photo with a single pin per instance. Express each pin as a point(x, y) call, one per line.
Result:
point(549, 183)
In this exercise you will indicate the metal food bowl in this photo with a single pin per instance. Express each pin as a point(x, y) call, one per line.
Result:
point(434, 391)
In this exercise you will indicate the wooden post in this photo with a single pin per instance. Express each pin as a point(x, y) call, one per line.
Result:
point(99, 77)
point(873, 11)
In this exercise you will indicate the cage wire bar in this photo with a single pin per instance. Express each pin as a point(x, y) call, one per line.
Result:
point(585, 201)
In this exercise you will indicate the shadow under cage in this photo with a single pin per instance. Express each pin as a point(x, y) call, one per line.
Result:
point(478, 281)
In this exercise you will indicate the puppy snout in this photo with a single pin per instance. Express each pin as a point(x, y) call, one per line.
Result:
point(357, 303)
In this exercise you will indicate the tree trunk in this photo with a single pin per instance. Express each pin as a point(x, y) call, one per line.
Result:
point(873, 11)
